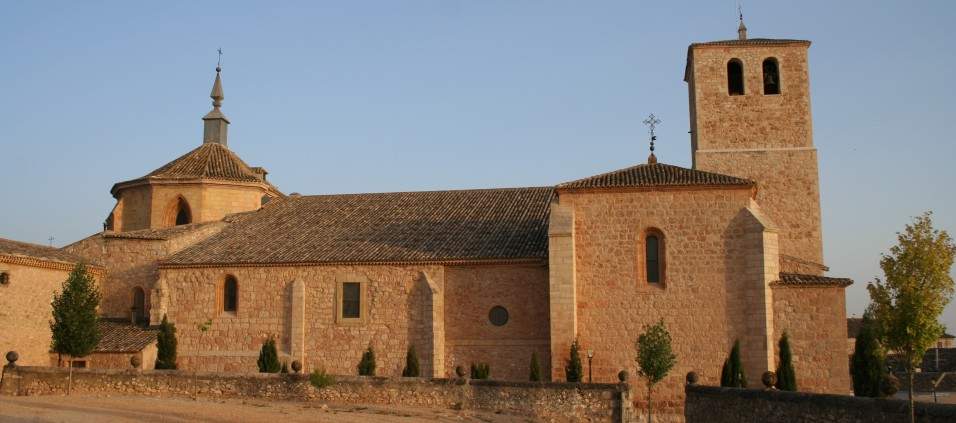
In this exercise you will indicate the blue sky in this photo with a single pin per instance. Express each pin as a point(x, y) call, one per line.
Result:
point(369, 96)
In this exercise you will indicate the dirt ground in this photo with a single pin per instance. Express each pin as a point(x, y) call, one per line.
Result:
point(123, 409)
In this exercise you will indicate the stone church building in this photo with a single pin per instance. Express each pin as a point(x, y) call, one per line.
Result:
point(729, 249)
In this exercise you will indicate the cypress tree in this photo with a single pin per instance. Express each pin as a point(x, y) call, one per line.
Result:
point(166, 346)
point(867, 365)
point(732, 375)
point(366, 366)
point(535, 373)
point(786, 375)
point(411, 363)
point(573, 371)
point(268, 361)
point(74, 326)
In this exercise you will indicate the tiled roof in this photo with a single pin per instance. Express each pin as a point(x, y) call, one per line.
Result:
point(208, 161)
point(751, 41)
point(464, 225)
point(11, 248)
point(159, 234)
point(655, 175)
point(796, 279)
point(118, 335)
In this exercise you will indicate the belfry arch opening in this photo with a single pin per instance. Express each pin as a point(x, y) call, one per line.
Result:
point(735, 77)
point(771, 76)
point(180, 213)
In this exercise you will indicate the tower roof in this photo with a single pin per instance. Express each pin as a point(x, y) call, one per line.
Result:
point(208, 161)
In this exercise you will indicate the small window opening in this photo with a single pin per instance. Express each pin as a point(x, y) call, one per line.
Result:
point(4, 278)
point(230, 294)
point(182, 216)
point(771, 77)
point(351, 300)
point(498, 316)
point(138, 310)
point(654, 257)
point(735, 77)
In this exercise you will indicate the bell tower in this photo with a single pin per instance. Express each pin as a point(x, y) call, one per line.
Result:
point(750, 117)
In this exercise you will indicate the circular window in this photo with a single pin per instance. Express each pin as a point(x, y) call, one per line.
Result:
point(498, 315)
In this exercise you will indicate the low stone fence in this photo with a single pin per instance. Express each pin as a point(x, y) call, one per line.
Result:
point(552, 401)
point(731, 405)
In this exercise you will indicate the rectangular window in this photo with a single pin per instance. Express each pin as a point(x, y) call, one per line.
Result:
point(351, 300)
point(653, 260)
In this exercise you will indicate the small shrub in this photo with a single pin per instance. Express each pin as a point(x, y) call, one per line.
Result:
point(480, 371)
point(732, 375)
point(411, 363)
point(166, 346)
point(459, 371)
point(285, 368)
point(366, 367)
point(535, 371)
point(320, 379)
point(268, 361)
point(573, 371)
point(786, 375)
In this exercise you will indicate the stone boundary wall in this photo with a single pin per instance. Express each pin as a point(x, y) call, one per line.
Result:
point(551, 401)
point(713, 404)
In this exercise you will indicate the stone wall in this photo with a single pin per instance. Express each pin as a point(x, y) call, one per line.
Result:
point(131, 263)
point(815, 319)
point(713, 279)
point(551, 401)
point(470, 337)
point(25, 310)
point(152, 206)
point(709, 404)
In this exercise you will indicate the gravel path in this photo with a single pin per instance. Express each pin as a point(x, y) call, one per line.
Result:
point(128, 409)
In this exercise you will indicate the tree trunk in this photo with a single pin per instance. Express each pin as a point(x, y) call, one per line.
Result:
point(912, 410)
point(649, 413)
point(69, 384)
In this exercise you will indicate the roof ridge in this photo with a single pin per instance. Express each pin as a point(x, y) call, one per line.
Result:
point(655, 175)
point(354, 194)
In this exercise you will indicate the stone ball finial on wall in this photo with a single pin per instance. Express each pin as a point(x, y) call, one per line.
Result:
point(459, 371)
point(12, 357)
point(692, 378)
point(622, 376)
point(769, 379)
point(135, 361)
point(296, 366)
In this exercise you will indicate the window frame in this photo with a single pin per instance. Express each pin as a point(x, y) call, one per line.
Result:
point(339, 299)
point(661, 258)
point(221, 296)
point(743, 77)
point(763, 75)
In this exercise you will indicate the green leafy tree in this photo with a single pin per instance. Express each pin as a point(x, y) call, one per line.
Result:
point(868, 363)
point(786, 375)
point(366, 366)
point(74, 325)
point(166, 345)
point(268, 361)
point(573, 372)
point(732, 375)
point(655, 357)
point(917, 288)
point(411, 363)
point(535, 372)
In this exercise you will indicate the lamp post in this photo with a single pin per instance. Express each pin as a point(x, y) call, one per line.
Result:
point(590, 357)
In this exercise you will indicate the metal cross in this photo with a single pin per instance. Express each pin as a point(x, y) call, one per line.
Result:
point(651, 123)
point(51, 240)
point(219, 62)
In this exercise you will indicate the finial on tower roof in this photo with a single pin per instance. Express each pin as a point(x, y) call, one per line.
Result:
point(216, 123)
point(651, 123)
point(741, 29)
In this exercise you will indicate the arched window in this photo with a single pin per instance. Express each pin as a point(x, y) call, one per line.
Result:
point(138, 311)
point(230, 294)
point(771, 76)
point(654, 256)
point(735, 77)
point(180, 213)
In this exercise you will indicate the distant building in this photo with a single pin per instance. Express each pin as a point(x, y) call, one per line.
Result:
point(853, 325)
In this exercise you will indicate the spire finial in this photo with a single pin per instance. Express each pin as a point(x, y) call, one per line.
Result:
point(651, 123)
point(215, 123)
point(216, 93)
point(741, 29)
